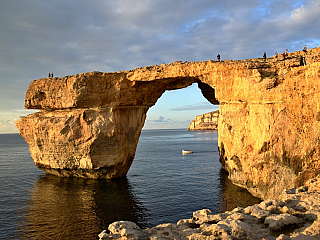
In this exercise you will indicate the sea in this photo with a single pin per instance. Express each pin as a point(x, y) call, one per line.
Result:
point(162, 186)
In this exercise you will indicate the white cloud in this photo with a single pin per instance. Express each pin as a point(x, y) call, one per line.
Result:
point(161, 119)
point(8, 126)
point(8, 119)
point(304, 19)
point(196, 106)
point(306, 14)
point(166, 124)
point(69, 37)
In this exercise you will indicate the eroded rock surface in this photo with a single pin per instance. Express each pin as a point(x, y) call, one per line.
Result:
point(81, 142)
point(269, 118)
point(207, 121)
point(295, 216)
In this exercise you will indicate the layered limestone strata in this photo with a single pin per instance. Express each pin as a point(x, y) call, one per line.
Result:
point(90, 143)
point(89, 124)
point(207, 121)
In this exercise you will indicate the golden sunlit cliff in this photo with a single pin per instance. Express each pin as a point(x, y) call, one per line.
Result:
point(203, 122)
point(269, 118)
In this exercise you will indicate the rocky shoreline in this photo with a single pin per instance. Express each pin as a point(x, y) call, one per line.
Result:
point(294, 215)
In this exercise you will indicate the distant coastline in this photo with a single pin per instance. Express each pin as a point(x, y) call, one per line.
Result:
point(205, 122)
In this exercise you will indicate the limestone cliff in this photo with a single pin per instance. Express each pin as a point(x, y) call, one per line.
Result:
point(207, 121)
point(89, 124)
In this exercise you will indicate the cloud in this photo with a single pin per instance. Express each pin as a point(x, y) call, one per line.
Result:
point(70, 37)
point(196, 106)
point(161, 120)
point(303, 20)
point(8, 119)
point(166, 124)
point(8, 126)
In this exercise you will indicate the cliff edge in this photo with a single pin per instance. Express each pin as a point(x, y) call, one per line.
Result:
point(203, 122)
point(88, 125)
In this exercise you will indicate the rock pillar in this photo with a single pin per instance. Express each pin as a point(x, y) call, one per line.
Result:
point(90, 143)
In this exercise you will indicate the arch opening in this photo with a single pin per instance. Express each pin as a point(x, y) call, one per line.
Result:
point(177, 180)
point(177, 107)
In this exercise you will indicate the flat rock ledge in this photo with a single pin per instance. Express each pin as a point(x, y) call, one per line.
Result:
point(295, 216)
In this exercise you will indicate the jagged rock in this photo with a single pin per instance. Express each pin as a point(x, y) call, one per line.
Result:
point(239, 223)
point(278, 222)
point(104, 235)
point(260, 213)
point(225, 229)
point(269, 119)
point(207, 121)
point(125, 230)
point(170, 231)
point(283, 237)
point(205, 216)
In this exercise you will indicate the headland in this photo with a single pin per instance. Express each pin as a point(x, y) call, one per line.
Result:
point(205, 122)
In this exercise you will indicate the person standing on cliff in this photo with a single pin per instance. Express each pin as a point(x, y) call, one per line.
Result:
point(52, 75)
point(265, 56)
point(276, 54)
point(305, 49)
point(285, 54)
point(49, 76)
point(218, 57)
point(301, 61)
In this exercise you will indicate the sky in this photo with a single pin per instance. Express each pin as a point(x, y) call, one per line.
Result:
point(67, 37)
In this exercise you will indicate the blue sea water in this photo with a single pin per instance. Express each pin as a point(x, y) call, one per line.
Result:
point(162, 186)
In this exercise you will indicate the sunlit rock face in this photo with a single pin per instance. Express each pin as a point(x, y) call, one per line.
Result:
point(91, 143)
point(269, 127)
point(207, 121)
point(89, 124)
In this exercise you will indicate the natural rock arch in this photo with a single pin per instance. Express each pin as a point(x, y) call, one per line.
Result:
point(89, 124)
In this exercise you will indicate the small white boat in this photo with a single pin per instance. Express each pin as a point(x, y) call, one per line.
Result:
point(186, 151)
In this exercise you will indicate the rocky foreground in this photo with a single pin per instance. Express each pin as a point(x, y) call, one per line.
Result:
point(296, 215)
